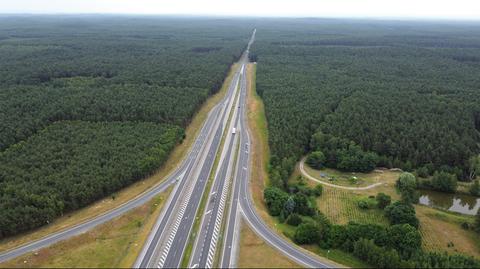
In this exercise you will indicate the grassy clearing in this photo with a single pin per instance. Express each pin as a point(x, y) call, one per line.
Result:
point(132, 191)
point(438, 228)
point(116, 243)
point(255, 253)
point(343, 179)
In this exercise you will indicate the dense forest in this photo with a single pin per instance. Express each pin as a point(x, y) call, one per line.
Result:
point(90, 104)
point(407, 91)
point(69, 164)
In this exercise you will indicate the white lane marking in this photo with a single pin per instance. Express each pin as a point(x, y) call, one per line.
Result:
point(176, 225)
point(218, 223)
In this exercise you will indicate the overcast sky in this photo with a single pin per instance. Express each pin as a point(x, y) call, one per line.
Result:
point(450, 9)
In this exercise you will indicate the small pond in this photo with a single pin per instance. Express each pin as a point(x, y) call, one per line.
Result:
point(461, 203)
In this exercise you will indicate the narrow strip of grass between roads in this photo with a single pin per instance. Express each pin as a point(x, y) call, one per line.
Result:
point(198, 216)
point(113, 244)
point(116, 199)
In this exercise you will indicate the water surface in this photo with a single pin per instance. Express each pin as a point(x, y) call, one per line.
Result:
point(461, 203)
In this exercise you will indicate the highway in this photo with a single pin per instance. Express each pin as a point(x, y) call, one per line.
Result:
point(204, 250)
point(167, 242)
point(225, 206)
point(242, 201)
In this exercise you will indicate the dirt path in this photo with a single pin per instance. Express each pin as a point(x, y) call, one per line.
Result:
point(305, 174)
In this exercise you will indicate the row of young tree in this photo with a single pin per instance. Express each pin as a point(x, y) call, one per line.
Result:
point(73, 163)
point(413, 101)
point(394, 246)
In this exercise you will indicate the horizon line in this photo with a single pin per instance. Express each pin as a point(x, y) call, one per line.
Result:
point(391, 18)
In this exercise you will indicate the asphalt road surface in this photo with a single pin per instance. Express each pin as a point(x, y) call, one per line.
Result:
point(242, 199)
point(167, 242)
point(204, 250)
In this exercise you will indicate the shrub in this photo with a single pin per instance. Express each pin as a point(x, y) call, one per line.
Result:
point(337, 235)
point(475, 188)
point(316, 159)
point(303, 205)
point(477, 222)
point(407, 185)
point(442, 260)
point(289, 206)
point(294, 219)
point(383, 200)
point(423, 172)
point(405, 239)
point(465, 225)
point(275, 200)
point(301, 188)
point(366, 203)
point(380, 257)
point(400, 213)
point(445, 182)
point(318, 190)
point(307, 233)
point(355, 231)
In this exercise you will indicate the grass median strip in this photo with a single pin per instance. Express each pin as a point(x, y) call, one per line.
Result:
point(198, 217)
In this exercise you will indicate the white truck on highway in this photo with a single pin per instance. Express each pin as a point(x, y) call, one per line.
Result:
point(233, 130)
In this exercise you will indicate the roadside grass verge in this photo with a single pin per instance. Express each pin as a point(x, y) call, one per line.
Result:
point(255, 253)
point(259, 142)
point(116, 243)
point(128, 193)
point(339, 256)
